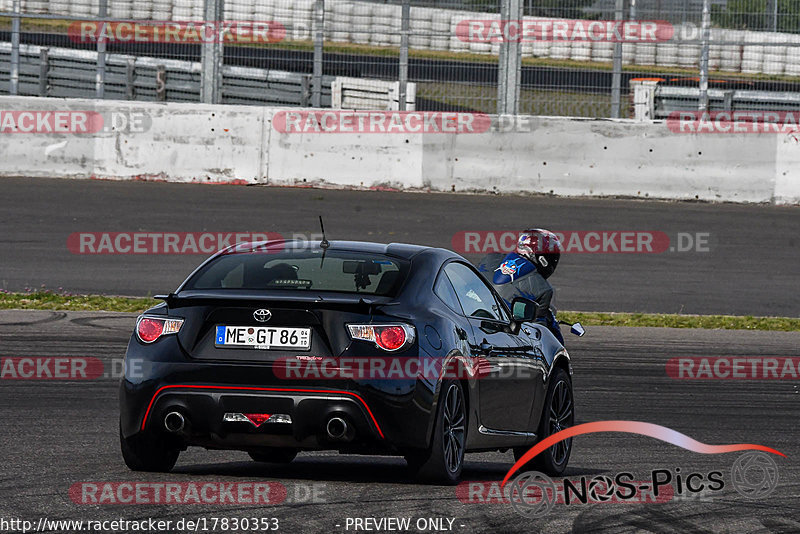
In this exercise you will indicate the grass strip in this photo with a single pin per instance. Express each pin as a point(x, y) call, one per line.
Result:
point(48, 300)
point(671, 320)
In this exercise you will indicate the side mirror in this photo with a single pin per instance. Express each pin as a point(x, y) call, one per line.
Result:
point(577, 329)
point(523, 310)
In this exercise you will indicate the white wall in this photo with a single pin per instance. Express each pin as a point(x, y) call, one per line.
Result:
point(565, 156)
point(177, 142)
point(600, 157)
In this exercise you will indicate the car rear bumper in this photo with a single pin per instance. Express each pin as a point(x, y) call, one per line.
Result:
point(304, 416)
point(160, 378)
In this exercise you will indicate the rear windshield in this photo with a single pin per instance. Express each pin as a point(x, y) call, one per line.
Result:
point(348, 272)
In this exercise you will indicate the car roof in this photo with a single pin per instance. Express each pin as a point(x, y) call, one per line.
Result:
point(401, 250)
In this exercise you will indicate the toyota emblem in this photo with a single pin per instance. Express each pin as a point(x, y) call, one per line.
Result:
point(262, 315)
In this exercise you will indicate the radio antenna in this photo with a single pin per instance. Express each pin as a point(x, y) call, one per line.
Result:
point(324, 243)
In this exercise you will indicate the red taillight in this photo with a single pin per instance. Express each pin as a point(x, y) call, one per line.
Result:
point(385, 336)
point(150, 329)
point(390, 337)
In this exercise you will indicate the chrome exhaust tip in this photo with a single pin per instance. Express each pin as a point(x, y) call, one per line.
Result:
point(174, 422)
point(337, 428)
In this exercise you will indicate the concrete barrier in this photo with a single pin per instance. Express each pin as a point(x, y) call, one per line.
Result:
point(134, 140)
point(579, 157)
point(237, 144)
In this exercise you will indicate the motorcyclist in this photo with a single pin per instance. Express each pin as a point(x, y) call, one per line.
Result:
point(524, 273)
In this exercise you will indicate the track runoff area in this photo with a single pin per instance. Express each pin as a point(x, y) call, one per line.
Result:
point(713, 387)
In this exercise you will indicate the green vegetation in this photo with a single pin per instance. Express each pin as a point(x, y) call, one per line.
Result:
point(483, 98)
point(48, 300)
point(757, 15)
point(724, 322)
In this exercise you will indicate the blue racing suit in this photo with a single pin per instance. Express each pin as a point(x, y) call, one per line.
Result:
point(512, 276)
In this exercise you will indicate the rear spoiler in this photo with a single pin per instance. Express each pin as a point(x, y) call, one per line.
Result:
point(173, 300)
point(168, 298)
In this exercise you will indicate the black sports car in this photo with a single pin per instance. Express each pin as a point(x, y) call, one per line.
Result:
point(282, 346)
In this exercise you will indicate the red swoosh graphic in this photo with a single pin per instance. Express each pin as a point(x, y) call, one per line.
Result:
point(634, 427)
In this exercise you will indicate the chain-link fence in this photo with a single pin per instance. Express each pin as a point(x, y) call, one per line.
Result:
point(593, 58)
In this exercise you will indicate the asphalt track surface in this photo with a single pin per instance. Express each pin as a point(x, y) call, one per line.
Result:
point(750, 266)
point(58, 433)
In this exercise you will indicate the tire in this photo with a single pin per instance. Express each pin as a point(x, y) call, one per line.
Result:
point(443, 462)
point(274, 455)
point(558, 413)
point(144, 452)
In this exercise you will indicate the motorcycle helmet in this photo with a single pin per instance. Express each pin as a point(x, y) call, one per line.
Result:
point(542, 248)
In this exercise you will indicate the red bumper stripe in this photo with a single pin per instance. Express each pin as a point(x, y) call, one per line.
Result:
point(238, 388)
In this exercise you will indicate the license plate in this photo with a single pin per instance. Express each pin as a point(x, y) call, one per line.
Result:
point(263, 337)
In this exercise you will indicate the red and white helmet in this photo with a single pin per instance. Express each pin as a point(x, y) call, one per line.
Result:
point(542, 248)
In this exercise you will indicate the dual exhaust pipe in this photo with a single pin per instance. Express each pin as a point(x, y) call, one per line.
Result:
point(337, 427)
point(339, 430)
point(174, 422)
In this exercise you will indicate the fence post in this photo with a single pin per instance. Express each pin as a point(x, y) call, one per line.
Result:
point(509, 61)
point(772, 10)
point(161, 83)
point(318, 29)
point(703, 104)
point(616, 74)
point(13, 82)
point(402, 75)
point(305, 90)
point(211, 53)
point(100, 82)
point(130, 79)
point(44, 69)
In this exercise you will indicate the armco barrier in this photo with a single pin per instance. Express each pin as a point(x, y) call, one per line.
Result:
point(579, 157)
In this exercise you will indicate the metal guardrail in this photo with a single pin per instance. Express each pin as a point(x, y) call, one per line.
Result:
point(652, 100)
point(67, 73)
point(568, 75)
point(670, 99)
